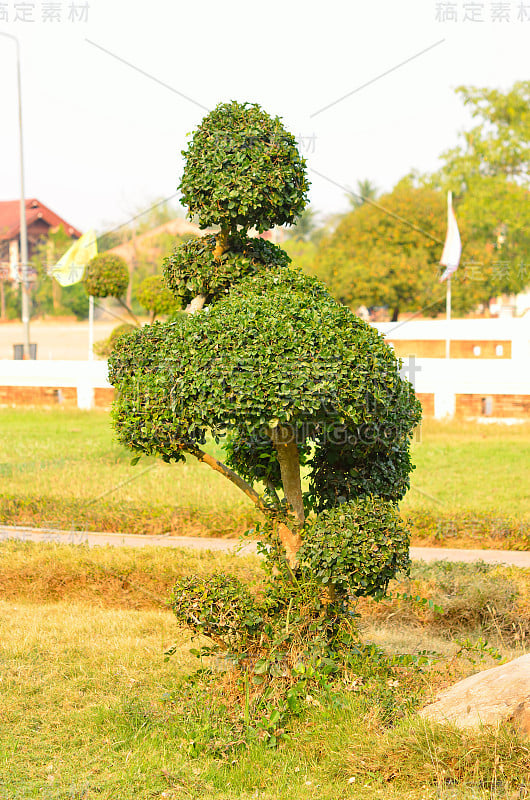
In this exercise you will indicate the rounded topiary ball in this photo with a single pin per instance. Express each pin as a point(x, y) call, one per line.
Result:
point(243, 169)
point(356, 548)
point(192, 268)
point(154, 296)
point(107, 275)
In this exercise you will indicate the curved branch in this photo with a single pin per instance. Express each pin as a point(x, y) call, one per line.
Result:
point(218, 466)
point(221, 244)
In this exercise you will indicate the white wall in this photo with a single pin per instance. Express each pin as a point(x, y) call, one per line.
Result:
point(515, 330)
point(84, 376)
point(55, 374)
point(508, 328)
point(443, 377)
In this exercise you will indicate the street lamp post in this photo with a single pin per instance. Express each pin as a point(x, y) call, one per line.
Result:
point(23, 227)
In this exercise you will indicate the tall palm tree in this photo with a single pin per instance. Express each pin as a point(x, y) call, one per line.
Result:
point(366, 190)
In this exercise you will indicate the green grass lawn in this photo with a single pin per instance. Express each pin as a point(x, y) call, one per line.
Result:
point(90, 709)
point(470, 466)
point(65, 469)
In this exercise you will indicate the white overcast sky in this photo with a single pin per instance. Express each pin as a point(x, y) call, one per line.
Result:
point(102, 140)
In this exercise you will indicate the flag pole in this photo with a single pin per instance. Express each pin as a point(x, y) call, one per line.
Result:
point(90, 328)
point(448, 319)
point(450, 260)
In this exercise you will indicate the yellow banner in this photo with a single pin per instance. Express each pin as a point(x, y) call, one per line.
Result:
point(71, 266)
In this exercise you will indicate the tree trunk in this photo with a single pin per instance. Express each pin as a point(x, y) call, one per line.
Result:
point(283, 439)
point(196, 304)
point(292, 542)
point(221, 245)
point(395, 314)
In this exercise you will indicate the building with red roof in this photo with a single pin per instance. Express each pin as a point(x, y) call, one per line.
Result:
point(39, 221)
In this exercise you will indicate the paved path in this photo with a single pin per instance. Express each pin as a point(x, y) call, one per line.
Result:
point(514, 557)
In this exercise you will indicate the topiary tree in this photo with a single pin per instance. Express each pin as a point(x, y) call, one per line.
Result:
point(155, 297)
point(106, 275)
point(271, 365)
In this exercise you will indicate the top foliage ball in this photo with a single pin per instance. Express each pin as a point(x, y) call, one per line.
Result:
point(243, 169)
point(107, 275)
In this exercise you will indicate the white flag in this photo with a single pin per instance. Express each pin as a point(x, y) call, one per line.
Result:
point(453, 246)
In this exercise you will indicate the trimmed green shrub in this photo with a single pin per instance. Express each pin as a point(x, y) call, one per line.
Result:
point(269, 363)
point(355, 549)
point(218, 605)
point(106, 275)
point(243, 169)
point(192, 269)
point(154, 296)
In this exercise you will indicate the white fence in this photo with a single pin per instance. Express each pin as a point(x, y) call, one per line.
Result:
point(517, 331)
point(444, 378)
point(84, 376)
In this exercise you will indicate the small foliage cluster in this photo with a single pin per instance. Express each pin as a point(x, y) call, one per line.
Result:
point(154, 296)
point(218, 606)
point(192, 268)
point(106, 275)
point(355, 548)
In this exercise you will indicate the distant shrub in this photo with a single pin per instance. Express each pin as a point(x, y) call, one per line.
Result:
point(154, 296)
point(107, 275)
point(104, 347)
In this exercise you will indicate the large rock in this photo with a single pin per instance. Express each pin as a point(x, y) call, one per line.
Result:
point(487, 698)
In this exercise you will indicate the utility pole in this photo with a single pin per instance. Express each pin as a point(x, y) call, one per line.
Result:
point(23, 227)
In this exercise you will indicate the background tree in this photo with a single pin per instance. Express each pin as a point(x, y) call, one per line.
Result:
point(366, 190)
point(498, 146)
point(488, 174)
point(269, 363)
point(107, 275)
point(392, 259)
point(154, 296)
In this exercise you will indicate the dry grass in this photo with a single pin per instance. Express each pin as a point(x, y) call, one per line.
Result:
point(108, 577)
point(476, 598)
point(89, 708)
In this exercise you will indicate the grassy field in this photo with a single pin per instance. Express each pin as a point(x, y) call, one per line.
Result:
point(64, 469)
point(89, 708)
